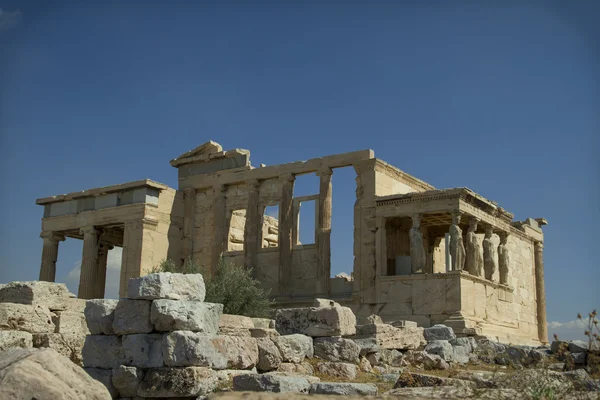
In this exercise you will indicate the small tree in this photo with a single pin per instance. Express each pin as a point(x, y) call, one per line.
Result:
point(231, 285)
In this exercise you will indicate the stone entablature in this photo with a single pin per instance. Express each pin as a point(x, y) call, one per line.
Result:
point(404, 231)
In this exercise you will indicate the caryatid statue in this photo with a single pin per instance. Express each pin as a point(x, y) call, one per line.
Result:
point(474, 254)
point(490, 254)
point(417, 251)
point(503, 258)
point(456, 245)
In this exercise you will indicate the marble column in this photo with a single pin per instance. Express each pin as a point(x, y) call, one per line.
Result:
point(286, 224)
point(89, 262)
point(253, 226)
point(100, 284)
point(456, 245)
point(49, 255)
point(474, 258)
point(189, 223)
point(503, 258)
point(418, 257)
point(324, 232)
point(490, 254)
point(220, 234)
point(540, 292)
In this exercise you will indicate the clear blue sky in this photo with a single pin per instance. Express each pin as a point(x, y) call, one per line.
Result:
point(503, 99)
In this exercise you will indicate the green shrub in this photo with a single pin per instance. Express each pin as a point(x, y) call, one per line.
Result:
point(231, 285)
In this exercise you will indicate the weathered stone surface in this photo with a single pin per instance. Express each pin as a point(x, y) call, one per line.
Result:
point(442, 348)
point(71, 322)
point(269, 356)
point(228, 374)
point(263, 332)
point(316, 321)
point(367, 345)
point(127, 379)
point(515, 355)
point(451, 392)
point(100, 351)
point(178, 382)
point(403, 324)
point(336, 349)
point(25, 317)
point(264, 323)
point(132, 316)
point(166, 285)
point(235, 321)
point(143, 350)
point(99, 314)
point(325, 303)
point(412, 379)
point(67, 345)
point(270, 383)
point(559, 346)
point(294, 348)
point(311, 379)
point(468, 342)
point(10, 339)
point(104, 376)
point(240, 352)
point(43, 374)
point(390, 357)
point(54, 296)
point(582, 381)
point(176, 315)
point(373, 319)
point(344, 389)
point(578, 346)
point(389, 337)
point(462, 348)
point(364, 365)
point(438, 332)
point(338, 370)
point(185, 348)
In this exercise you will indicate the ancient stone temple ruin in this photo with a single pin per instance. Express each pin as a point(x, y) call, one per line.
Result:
point(431, 256)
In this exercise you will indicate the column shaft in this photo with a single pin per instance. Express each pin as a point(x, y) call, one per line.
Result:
point(89, 263)
point(286, 224)
point(220, 240)
point(324, 232)
point(253, 227)
point(189, 214)
point(101, 269)
point(49, 255)
point(540, 292)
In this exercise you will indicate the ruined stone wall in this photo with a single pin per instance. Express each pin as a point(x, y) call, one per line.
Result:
point(390, 180)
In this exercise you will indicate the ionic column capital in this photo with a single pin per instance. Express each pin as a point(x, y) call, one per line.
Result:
point(90, 230)
point(456, 215)
point(53, 237)
point(539, 246)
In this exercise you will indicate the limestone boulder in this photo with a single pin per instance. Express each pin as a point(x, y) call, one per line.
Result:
point(294, 348)
point(235, 325)
point(264, 323)
point(578, 346)
point(367, 345)
point(439, 332)
point(195, 316)
point(186, 348)
point(388, 337)
point(126, 380)
point(344, 388)
point(316, 321)
point(263, 332)
point(99, 315)
point(364, 365)
point(143, 350)
point(389, 357)
point(270, 383)
point(166, 285)
point(43, 374)
point(54, 296)
point(338, 370)
point(132, 316)
point(304, 369)
point(412, 379)
point(26, 317)
point(71, 322)
point(67, 345)
point(228, 374)
point(10, 339)
point(240, 352)
point(373, 319)
point(104, 376)
point(178, 382)
point(100, 351)
point(336, 349)
point(269, 356)
point(441, 348)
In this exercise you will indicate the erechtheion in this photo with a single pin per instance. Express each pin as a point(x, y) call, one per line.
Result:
point(431, 256)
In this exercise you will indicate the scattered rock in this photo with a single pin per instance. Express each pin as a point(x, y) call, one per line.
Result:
point(240, 352)
point(389, 337)
point(338, 370)
point(336, 349)
point(54, 296)
point(303, 368)
point(195, 316)
point(269, 357)
point(316, 321)
point(9, 339)
point(165, 285)
point(270, 383)
point(294, 348)
point(264, 323)
point(578, 346)
point(178, 382)
point(99, 314)
point(373, 319)
point(364, 365)
point(439, 332)
point(442, 348)
point(344, 389)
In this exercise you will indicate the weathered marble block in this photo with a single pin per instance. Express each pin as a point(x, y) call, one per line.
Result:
point(263, 332)
point(294, 348)
point(270, 383)
point(104, 376)
point(68, 345)
point(53, 295)
point(178, 382)
point(165, 285)
point(439, 332)
point(132, 316)
point(127, 380)
point(344, 388)
point(338, 370)
point(269, 356)
point(235, 325)
point(143, 350)
point(186, 348)
point(20, 339)
point(336, 349)
point(441, 348)
point(175, 315)
point(264, 323)
point(240, 352)
point(101, 351)
point(100, 314)
point(71, 322)
point(316, 321)
point(389, 337)
point(25, 317)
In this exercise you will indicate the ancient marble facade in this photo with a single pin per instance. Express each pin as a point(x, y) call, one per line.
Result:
point(421, 254)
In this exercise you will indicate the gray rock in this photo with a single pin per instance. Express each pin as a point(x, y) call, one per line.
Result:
point(104, 376)
point(389, 337)
point(132, 316)
point(516, 355)
point(100, 351)
point(185, 348)
point(178, 382)
point(581, 380)
point(9, 339)
point(240, 352)
point(270, 383)
point(316, 321)
point(179, 315)
point(325, 303)
point(390, 378)
point(54, 296)
point(339, 370)
point(127, 380)
point(304, 368)
point(269, 356)
point(99, 314)
point(264, 323)
point(263, 332)
point(71, 323)
point(577, 358)
point(410, 379)
point(578, 346)
point(439, 332)
point(441, 348)
point(25, 317)
point(336, 349)
point(143, 350)
point(69, 346)
point(373, 319)
point(166, 285)
point(367, 345)
point(344, 389)
point(294, 348)
point(468, 342)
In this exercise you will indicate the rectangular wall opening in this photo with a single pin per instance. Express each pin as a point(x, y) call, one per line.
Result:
point(235, 236)
point(343, 184)
point(270, 227)
point(307, 222)
point(306, 185)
